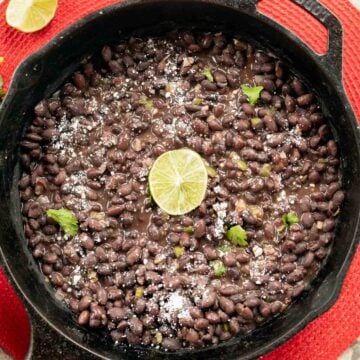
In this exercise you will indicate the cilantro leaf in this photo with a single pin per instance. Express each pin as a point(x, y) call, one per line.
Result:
point(253, 93)
point(197, 101)
point(237, 235)
point(289, 219)
point(66, 219)
point(146, 102)
point(219, 267)
point(265, 170)
point(189, 229)
point(207, 73)
point(225, 248)
point(241, 165)
point(179, 251)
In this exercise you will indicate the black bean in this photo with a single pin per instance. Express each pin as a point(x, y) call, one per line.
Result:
point(212, 317)
point(84, 317)
point(269, 230)
point(295, 276)
point(301, 247)
point(102, 296)
point(116, 314)
point(115, 210)
point(133, 255)
point(288, 267)
point(229, 260)
point(106, 53)
point(257, 184)
point(328, 225)
point(209, 86)
point(85, 302)
point(214, 124)
point(265, 309)
point(338, 198)
point(220, 78)
point(171, 344)
point(270, 123)
point(56, 279)
point(136, 325)
point(305, 100)
point(226, 304)
point(314, 176)
point(208, 299)
point(245, 311)
point(200, 127)
point(307, 220)
point(192, 336)
point(104, 269)
point(252, 302)
point(308, 259)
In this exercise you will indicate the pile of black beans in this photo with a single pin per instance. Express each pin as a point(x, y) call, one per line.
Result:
point(149, 277)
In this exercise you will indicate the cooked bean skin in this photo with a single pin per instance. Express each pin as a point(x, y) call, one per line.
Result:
point(178, 281)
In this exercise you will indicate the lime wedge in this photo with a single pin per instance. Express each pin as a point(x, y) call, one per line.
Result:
point(30, 15)
point(178, 181)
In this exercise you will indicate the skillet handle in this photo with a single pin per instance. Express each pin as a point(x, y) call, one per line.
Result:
point(332, 59)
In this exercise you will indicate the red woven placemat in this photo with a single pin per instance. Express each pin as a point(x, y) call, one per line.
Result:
point(325, 338)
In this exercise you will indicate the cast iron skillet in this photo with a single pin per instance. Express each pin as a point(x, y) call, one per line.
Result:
point(43, 72)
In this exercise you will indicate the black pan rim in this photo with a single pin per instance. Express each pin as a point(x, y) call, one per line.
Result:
point(248, 4)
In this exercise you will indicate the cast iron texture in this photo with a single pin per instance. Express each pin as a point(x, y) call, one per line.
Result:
point(43, 72)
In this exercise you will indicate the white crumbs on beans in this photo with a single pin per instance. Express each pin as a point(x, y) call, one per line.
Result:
point(220, 209)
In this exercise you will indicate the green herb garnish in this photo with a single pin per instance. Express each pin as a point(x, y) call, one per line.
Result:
point(225, 248)
point(207, 73)
point(179, 251)
point(237, 235)
point(146, 102)
point(265, 170)
point(289, 219)
point(66, 219)
point(139, 292)
point(219, 268)
point(197, 101)
point(158, 337)
point(189, 229)
point(241, 164)
point(253, 93)
point(255, 121)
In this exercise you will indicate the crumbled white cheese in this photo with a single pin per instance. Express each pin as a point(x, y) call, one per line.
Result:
point(220, 209)
point(257, 250)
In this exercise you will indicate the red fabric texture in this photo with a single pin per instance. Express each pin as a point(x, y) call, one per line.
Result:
point(14, 322)
point(325, 338)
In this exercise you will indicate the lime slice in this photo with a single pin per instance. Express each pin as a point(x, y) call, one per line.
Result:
point(30, 15)
point(178, 181)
